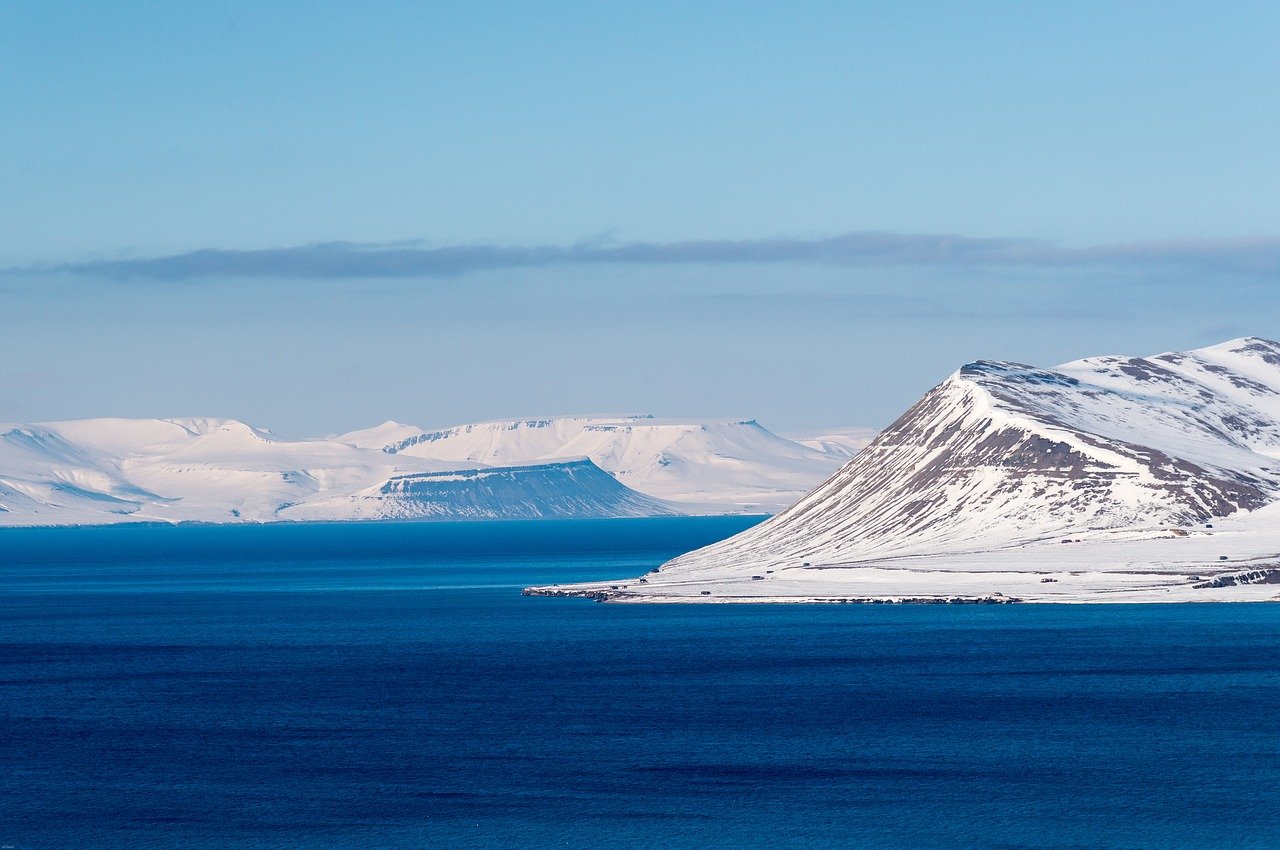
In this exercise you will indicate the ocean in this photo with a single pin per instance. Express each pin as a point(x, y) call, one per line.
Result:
point(386, 686)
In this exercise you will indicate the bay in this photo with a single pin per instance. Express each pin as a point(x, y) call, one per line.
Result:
point(385, 685)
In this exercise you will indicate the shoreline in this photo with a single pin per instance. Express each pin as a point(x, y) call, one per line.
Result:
point(872, 586)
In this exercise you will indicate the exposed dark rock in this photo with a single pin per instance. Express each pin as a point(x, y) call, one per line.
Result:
point(1269, 575)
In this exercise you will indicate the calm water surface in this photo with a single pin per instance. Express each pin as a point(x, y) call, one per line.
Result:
point(386, 686)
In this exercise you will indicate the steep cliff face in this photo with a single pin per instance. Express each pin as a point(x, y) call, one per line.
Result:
point(729, 465)
point(567, 490)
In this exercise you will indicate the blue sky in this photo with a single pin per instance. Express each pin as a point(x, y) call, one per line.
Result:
point(318, 216)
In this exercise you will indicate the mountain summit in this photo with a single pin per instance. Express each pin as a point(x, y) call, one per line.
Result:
point(1002, 463)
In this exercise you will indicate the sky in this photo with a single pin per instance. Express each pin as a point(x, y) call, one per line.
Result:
point(315, 217)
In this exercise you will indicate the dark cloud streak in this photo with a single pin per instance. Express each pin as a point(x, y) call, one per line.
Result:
point(347, 260)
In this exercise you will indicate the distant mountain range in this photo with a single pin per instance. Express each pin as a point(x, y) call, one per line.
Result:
point(1118, 478)
point(720, 466)
point(219, 470)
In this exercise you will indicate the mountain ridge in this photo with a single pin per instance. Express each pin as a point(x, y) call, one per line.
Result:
point(1005, 461)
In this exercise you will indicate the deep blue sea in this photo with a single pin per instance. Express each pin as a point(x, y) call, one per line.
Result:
point(385, 685)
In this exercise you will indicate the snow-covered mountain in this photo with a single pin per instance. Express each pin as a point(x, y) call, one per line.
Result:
point(1101, 476)
point(219, 470)
point(837, 442)
point(567, 489)
point(379, 436)
point(734, 465)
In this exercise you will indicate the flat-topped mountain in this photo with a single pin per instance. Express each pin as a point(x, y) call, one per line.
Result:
point(723, 465)
point(559, 490)
point(1002, 465)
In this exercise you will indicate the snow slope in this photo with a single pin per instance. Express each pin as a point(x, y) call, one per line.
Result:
point(730, 466)
point(837, 442)
point(1096, 479)
point(377, 437)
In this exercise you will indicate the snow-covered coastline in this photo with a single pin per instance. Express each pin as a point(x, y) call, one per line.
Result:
point(1111, 479)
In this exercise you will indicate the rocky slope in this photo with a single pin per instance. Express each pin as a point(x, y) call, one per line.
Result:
point(1002, 465)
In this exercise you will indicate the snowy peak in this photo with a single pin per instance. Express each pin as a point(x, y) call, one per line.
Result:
point(389, 433)
point(1004, 453)
point(1266, 351)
